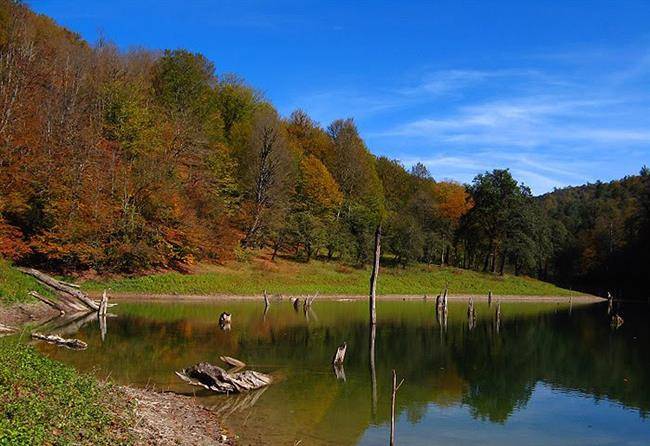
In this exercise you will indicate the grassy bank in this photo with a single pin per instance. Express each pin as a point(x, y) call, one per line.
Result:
point(15, 285)
point(46, 402)
point(327, 278)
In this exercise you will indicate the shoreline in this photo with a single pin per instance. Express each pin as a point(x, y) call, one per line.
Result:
point(581, 298)
point(162, 417)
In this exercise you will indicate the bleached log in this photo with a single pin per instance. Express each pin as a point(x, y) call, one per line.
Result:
point(217, 379)
point(61, 287)
point(339, 356)
point(49, 302)
point(73, 285)
point(233, 362)
point(266, 300)
point(4, 329)
point(73, 344)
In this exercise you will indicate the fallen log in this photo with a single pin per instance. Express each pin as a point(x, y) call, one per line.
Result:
point(6, 329)
point(61, 287)
point(218, 380)
point(49, 302)
point(72, 344)
point(233, 362)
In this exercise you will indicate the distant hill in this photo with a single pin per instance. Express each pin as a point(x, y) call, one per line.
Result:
point(603, 236)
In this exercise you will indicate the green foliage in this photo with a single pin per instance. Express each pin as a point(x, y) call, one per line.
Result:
point(182, 81)
point(15, 285)
point(46, 402)
point(600, 234)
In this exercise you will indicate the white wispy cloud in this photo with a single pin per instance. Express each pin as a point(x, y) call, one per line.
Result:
point(551, 128)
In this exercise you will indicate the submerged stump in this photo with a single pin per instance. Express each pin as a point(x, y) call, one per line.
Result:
point(218, 380)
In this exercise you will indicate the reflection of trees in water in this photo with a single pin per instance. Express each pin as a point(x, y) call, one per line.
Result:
point(493, 374)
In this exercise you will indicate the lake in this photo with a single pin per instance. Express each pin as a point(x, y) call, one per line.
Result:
point(551, 374)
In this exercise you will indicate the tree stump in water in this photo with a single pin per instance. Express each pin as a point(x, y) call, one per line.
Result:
point(339, 356)
point(471, 315)
point(617, 321)
point(217, 379)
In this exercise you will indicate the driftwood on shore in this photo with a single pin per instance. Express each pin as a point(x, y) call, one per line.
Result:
point(6, 329)
point(62, 288)
point(218, 380)
point(73, 344)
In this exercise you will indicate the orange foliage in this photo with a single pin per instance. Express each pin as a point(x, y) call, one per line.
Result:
point(452, 198)
point(319, 186)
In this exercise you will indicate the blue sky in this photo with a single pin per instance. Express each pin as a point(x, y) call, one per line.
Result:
point(557, 91)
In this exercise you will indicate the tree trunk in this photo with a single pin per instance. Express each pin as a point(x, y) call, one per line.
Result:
point(373, 375)
point(486, 264)
point(503, 263)
point(373, 276)
point(392, 407)
point(58, 286)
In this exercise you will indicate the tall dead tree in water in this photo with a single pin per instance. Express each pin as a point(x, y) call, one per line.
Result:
point(392, 406)
point(471, 315)
point(373, 276)
point(497, 317)
point(373, 374)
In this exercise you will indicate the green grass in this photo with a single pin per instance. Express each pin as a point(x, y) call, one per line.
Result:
point(326, 278)
point(15, 285)
point(46, 402)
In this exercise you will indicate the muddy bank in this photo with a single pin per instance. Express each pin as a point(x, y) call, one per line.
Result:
point(583, 298)
point(17, 315)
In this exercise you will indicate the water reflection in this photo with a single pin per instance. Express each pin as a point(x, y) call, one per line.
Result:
point(516, 362)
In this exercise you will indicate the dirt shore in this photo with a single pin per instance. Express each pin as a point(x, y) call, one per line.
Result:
point(161, 418)
point(582, 298)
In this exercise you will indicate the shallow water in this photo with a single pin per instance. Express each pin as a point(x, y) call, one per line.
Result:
point(552, 374)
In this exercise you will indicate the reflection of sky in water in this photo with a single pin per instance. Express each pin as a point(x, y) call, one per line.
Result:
point(549, 376)
point(551, 417)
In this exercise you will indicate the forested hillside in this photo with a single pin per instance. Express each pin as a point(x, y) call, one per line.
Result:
point(119, 161)
point(604, 238)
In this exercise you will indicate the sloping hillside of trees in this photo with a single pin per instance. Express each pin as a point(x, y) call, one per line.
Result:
point(126, 161)
point(603, 243)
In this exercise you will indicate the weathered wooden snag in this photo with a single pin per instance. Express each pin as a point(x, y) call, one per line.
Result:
point(498, 317)
point(49, 302)
point(373, 276)
point(72, 344)
point(490, 298)
point(339, 356)
point(471, 315)
point(617, 321)
point(392, 406)
point(217, 379)
point(233, 362)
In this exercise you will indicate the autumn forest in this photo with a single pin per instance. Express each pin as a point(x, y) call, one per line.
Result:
point(126, 162)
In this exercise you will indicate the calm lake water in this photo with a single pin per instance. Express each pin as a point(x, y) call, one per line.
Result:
point(552, 374)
